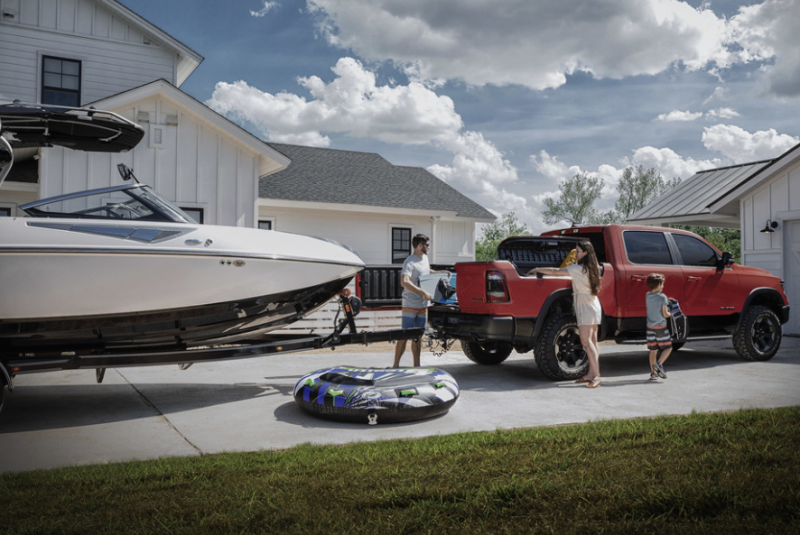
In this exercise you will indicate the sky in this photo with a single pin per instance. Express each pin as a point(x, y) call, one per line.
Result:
point(504, 99)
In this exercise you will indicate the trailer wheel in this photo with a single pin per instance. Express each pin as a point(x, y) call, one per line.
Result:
point(488, 353)
point(759, 337)
point(559, 353)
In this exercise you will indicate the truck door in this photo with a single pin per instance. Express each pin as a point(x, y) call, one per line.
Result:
point(708, 290)
point(647, 252)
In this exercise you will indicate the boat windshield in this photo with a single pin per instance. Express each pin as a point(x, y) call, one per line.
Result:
point(129, 202)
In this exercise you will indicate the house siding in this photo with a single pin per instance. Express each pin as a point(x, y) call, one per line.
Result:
point(778, 200)
point(370, 233)
point(113, 54)
point(197, 166)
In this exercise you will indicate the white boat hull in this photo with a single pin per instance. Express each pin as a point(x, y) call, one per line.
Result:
point(78, 281)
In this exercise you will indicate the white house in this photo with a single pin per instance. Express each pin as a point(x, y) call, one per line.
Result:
point(762, 199)
point(98, 52)
point(362, 200)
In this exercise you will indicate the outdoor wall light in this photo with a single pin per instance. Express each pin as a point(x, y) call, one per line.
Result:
point(768, 228)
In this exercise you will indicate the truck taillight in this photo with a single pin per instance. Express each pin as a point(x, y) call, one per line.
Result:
point(496, 288)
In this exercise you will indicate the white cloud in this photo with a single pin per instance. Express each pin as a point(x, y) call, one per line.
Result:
point(722, 113)
point(352, 104)
point(268, 6)
point(769, 30)
point(718, 94)
point(355, 105)
point(676, 115)
point(550, 167)
point(669, 163)
point(535, 44)
point(741, 146)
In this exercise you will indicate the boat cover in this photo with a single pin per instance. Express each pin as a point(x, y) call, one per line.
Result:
point(75, 128)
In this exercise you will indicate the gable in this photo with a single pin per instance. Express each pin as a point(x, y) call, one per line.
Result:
point(116, 47)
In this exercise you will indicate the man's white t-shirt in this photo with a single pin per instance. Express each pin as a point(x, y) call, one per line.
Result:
point(415, 267)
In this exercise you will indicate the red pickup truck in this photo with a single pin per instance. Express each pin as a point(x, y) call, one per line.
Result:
point(500, 308)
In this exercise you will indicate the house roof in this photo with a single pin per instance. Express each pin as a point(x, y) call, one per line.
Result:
point(320, 175)
point(271, 160)
point(705, 198)
point(188, 59)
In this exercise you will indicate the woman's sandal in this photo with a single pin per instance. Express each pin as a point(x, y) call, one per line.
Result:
point(594, 383)
point(583, 380)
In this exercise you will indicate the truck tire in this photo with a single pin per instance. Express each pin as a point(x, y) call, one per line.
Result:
point(488, 353)
point(759, 335)
point(559, 353)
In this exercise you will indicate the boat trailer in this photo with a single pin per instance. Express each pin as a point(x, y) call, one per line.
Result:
point(267, 345)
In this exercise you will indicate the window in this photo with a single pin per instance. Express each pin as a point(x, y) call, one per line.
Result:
point(694, 252)
point(5, 212)
point(61, 81)
point(401, 244)
point(195, 213)
point(265, 225)
point(647, 247)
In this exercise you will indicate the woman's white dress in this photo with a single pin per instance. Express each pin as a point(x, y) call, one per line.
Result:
point(587, 306)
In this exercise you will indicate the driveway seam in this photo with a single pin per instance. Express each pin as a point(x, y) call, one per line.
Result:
point(158, 411)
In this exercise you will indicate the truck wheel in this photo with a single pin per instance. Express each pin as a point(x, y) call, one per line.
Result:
point(759, 336)
point(487, 352)
point(559, 353)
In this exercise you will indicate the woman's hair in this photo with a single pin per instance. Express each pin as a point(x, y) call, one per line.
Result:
point(590, 266)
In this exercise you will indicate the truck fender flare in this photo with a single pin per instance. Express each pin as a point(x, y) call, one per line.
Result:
point(770, 293)
point(7, 378)
point(548, 303)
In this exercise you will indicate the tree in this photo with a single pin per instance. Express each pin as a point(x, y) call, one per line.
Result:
point(639, 187)
point(576, 202)
point(507, 225)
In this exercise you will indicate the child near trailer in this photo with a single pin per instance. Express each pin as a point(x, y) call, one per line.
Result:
point(658, 337)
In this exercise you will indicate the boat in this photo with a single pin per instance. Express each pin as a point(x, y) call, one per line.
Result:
point(122, 267)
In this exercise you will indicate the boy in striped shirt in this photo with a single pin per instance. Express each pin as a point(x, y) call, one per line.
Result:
point(658, 339)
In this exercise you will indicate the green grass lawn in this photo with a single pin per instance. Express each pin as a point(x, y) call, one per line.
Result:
point(711, 473)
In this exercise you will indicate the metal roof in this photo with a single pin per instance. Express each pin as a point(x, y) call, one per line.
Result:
point(696, 194)
point(349, 177)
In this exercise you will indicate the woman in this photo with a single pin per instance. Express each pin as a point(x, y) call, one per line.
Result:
point(585, 287)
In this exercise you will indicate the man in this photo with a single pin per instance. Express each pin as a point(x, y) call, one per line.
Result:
point(415, 299)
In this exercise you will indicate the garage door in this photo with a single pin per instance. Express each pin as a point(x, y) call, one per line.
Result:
point(792, 260)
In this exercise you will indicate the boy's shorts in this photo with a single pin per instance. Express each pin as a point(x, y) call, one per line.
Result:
point(658, 338)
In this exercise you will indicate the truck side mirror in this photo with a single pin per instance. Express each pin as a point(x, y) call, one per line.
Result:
point(727, 260)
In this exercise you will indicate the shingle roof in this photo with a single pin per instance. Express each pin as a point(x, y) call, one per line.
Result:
point(694, 195)
point(348, 177)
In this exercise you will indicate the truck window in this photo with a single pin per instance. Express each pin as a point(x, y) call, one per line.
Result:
point(646, 247)
point(694, 252)
point(598, 240)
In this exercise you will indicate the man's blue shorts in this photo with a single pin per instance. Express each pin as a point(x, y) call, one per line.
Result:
point(415, 321)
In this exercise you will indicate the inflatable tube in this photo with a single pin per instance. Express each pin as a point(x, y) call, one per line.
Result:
point(376, 395)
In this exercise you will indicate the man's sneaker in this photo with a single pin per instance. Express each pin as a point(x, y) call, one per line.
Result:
point(660, 370)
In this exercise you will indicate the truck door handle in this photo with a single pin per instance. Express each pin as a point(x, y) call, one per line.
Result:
point(639, 278)
point(693, 278)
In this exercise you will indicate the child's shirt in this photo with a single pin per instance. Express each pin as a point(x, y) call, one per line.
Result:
point(655, 318)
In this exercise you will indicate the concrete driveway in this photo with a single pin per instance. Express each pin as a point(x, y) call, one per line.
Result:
point(65, 418)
